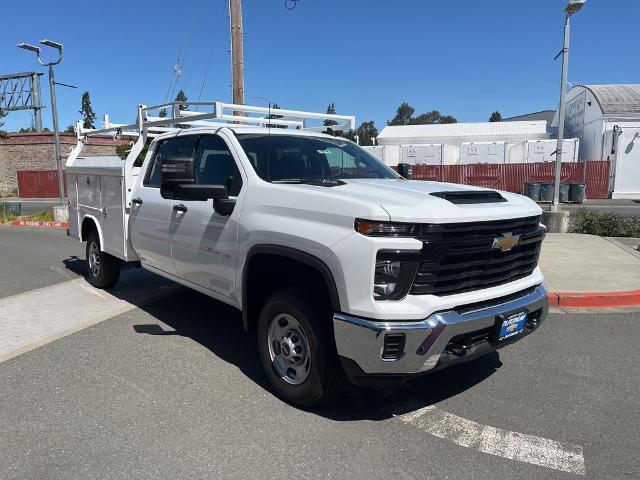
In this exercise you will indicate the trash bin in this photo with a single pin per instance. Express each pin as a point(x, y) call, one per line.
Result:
point(564, 193)
point(577, 193)
point(546, 192)
point(532, 190)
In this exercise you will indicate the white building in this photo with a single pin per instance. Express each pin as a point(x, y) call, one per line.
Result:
point(469, 143)
point(606, 119)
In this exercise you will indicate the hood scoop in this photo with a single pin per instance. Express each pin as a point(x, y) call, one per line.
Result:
point(470, 197)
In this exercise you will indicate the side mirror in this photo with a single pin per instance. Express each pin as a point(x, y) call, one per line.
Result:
point(178, 181)
point(405, 170)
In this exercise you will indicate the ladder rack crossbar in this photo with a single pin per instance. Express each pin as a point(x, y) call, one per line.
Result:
point(222, 114)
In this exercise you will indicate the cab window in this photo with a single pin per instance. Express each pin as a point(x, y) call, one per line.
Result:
point(173, 147)
point(215, 164)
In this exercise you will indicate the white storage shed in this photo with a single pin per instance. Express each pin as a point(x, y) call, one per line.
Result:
point(459, 133)
point(606, 119)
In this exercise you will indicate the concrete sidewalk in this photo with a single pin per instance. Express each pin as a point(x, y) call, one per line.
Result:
point(585, 271)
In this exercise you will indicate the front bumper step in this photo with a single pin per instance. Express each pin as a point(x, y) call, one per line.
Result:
point(439, 340)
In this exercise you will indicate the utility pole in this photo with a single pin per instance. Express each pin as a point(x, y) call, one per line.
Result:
point(237, 51)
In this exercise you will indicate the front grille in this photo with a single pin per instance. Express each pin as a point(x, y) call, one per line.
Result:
point(458, 257)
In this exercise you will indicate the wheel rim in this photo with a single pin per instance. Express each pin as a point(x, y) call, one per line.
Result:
point(94, 259)
point(289, 349)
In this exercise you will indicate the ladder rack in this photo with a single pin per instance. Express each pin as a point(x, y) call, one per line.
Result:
point(214, 114)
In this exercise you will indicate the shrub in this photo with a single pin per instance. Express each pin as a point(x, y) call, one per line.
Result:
point(604, 224)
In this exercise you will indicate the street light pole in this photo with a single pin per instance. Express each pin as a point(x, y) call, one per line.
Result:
point(54, 108)
point(563, 93)
point(56, 133)
point(572, 7)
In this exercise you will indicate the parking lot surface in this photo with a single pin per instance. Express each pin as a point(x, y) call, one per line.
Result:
point(32, 258)
point(173, 388)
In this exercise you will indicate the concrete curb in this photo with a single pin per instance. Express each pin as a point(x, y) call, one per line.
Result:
point(629, 298)
point(29, 223)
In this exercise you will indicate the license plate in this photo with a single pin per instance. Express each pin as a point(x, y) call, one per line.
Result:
point(511, 325)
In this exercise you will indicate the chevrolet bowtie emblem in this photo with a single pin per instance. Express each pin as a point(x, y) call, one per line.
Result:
point(506, 242)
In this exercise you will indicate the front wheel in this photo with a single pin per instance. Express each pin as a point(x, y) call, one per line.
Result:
point(103, 270)
point(297, 351)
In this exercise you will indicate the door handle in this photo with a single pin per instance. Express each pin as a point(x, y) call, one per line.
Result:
point(137, 201)
point(180, 208)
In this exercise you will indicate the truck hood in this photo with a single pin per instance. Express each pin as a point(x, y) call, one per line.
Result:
point(410, 201)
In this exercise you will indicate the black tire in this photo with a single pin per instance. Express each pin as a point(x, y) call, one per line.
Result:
point(325, 378)
point(106, 271)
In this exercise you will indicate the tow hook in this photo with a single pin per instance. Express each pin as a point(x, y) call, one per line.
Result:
point(459, 349)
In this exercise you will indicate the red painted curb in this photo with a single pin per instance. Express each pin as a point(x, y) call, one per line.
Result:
point(630, 298)
point(31, 223)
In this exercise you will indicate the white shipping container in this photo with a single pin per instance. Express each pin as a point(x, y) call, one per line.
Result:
point(544, 150)
point(387, 154)
point(482, 152)
point(430, 154)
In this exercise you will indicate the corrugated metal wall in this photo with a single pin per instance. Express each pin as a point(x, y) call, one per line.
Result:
point(509, 177)
point(512, 177)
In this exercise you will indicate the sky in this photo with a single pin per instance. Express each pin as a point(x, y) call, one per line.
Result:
point(465, 58)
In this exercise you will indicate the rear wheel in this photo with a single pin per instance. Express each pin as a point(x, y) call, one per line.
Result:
point(103, 270)
point(297, 350)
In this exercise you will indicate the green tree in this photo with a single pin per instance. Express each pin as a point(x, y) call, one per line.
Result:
point(3, 133)
point(404, 115)
point(495, 117)
point(432, 117)
point(275, 117)
point(331, 110)
point(348, 134)
point(86, 110)
point(366, 132)
point(182, 97)
point(70, 129)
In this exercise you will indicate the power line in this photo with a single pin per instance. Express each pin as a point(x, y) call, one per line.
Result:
point(177, 69)
point(213, 49)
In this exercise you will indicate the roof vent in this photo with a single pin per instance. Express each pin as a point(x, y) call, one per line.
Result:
point(470, 197)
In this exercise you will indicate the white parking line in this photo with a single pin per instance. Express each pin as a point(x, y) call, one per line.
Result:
point(495, 441)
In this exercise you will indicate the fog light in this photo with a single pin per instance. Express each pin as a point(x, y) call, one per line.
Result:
point(386, 278)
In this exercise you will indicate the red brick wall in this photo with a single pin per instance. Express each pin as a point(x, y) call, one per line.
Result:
point(35, 151)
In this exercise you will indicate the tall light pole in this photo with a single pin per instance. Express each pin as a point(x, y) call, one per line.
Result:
point(572, 7)
point(54, 107)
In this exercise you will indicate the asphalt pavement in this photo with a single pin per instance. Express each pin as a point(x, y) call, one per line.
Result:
point(32, 258)
point(174, 389)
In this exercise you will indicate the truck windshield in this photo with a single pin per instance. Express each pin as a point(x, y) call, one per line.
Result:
point(297, 159)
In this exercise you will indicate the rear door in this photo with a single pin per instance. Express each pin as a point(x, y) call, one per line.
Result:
point(151, 215)
point(204, 242)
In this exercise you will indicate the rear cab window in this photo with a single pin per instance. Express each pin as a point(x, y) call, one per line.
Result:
point(182, 146)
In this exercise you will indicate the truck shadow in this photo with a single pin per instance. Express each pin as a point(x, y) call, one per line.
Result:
point(218, 328)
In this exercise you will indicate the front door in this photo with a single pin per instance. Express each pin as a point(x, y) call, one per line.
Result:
point(151, 215)
point(204, 242)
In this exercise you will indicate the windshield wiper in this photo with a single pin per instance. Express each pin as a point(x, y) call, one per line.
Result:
point(320, 182)
point(293, 180)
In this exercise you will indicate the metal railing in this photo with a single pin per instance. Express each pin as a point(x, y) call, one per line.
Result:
point(171, 116)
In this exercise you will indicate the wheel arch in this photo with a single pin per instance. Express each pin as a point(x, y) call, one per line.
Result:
point(290, 256)
point(89, 223)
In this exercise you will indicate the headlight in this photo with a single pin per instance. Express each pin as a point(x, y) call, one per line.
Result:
point(393, 277)
point(384, 229)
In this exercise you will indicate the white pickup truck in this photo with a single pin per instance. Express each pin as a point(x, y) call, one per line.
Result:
point(344, 269)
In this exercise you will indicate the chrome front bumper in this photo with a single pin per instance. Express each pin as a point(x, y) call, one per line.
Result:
point(427, 342)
